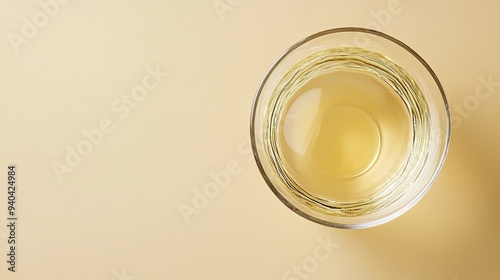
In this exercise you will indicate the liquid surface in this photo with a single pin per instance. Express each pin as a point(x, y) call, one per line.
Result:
point(342, 132)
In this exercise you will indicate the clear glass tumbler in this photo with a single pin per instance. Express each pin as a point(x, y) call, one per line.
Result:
point(350, 127)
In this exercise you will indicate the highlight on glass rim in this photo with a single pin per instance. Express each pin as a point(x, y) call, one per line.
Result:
point(350, 127)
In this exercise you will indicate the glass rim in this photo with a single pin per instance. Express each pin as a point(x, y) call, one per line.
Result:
point(258, 160)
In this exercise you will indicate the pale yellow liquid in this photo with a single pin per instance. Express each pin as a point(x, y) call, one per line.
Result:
point(342, 134)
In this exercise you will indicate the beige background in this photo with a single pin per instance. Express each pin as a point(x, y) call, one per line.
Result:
point(116, 215)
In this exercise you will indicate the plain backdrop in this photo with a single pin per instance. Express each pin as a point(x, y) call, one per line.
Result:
point(70, 68)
